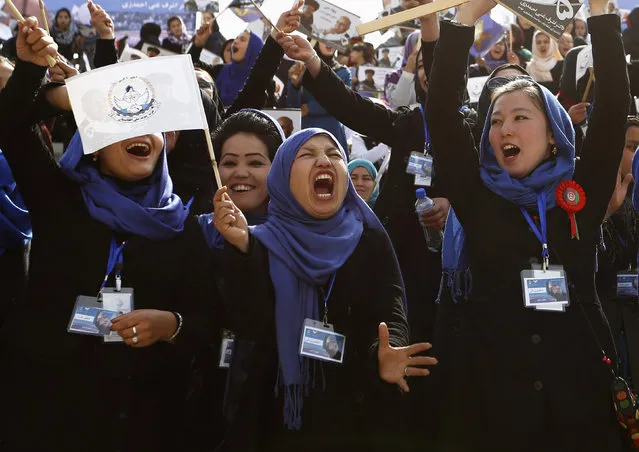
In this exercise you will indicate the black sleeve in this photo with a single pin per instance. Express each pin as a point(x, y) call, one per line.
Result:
point(105, 53)
point(455, 159)
point(200, 303)
point(388, 303)
point(195, 52)
point(249, 295)
point(428, 55)
point(605, 138)
point(253, 94)
point(34, 168)
point(349, 108)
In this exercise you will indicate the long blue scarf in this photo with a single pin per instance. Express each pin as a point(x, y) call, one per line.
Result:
point(15, 226)
point(368, 165)
point(147, 208)
point(521, 192)
point(304, 253)
point(233, 75)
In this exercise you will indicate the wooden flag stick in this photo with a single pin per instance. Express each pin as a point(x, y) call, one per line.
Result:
point(406, 15)
point(216, 171)
point(17, 16)
point(313, 42)
point(45, 24)
point(590, 80)
point(266, 18)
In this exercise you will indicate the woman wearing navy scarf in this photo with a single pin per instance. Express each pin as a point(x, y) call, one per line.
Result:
point(525, 377)
point(318, 236)
point(15, 235)
point(109, 213)
point(244, 52)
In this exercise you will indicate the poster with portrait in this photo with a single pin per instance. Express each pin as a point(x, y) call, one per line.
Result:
point(129, 54)
point(372, 78)
point(193, 6)
point(390, 56)
point(549, 16)
point(153, 51)
point(474, 86)
point(290, 119)
point(328, 23)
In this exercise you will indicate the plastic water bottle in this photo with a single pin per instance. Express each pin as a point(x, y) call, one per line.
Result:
point(424, 204)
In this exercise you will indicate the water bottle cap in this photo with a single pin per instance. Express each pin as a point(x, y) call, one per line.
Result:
point(420, 193)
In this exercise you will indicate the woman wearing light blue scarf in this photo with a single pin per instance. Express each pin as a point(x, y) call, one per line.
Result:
point(318, 233)
point(505, 365)
point(365, 183)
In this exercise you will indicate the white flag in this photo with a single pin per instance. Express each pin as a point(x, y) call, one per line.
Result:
point(126, 100)
point(584, 61)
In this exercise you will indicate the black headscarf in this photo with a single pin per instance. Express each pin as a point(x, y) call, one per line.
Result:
point(571, 93)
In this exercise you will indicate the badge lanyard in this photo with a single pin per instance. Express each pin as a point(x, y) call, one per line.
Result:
point(540, 233)
point(326, 297)
point(115, 262)
point(426, 134)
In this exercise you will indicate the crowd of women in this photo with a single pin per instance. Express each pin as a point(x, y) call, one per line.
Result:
point(294, 307)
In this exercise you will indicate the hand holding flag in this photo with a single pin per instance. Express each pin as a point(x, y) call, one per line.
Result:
point(34, 45)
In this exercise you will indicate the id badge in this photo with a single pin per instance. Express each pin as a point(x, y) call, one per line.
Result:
point(627, 283)
point(320, 341)
point(120, 301)
point(545, 290)
point(226, 349)
point(416, 163)
point(90, 317)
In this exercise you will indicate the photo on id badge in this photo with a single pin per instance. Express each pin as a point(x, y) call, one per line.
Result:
point(88, 318)
point(119, 301)
point(541, 291)
point(319, 343)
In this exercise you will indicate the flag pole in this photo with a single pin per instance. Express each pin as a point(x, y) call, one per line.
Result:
point(266, 18)
point(216, 171)
point(590, 80)
point(43, 12)
point(17, 16)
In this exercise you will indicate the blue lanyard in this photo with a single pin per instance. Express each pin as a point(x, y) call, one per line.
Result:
point(115, 262)
point(330, 289)
point(540, 233)
point(426, 134)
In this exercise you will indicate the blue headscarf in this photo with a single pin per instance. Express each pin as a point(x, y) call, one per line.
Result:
point(147, 208)
point(233, 75)
point(368, 165)
point(212, 236)
point(15, 227)
point(304, 253)
point(522, 192)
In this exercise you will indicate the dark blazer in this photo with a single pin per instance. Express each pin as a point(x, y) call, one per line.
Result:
point(526, 380)
point(348, 400)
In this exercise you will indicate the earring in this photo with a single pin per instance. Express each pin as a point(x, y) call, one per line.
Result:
point(554, 149)
point(95, 157)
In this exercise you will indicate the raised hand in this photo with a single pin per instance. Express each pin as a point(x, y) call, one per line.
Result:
point(468, 13)
point(230, 221)
point(296, 47)
point(101, 21)
point(296, 73)
point(619, 195)
point(578, 112)
point(61, 71)
point(290, 20)
point(202, 34)
point(397, 363)
point(33, 44)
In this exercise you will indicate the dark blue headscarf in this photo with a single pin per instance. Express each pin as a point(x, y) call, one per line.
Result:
point(15, 227)
point(522, 192)
point(233, 75)
point(148, 208)
point(212, 236)
point(304, 253)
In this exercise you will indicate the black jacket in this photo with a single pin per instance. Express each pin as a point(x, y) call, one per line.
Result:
point(70, 389)
point(355, 409)
point(526, 380)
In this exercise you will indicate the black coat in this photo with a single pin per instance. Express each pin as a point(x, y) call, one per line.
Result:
point(512, 378)
point(69, 391)
point(356, 409)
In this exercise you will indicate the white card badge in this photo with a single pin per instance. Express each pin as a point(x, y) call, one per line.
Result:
point(226, 349)
point(627, 283)
point(90, 317)
point(319, 341)
point(545, 290)
point(118, 301)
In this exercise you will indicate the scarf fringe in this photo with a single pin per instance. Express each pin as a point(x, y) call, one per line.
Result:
point(459, 282)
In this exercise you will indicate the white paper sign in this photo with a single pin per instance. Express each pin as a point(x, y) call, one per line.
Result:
point(475, 86)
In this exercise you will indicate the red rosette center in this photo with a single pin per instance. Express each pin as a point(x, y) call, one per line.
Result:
point(571, 197)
